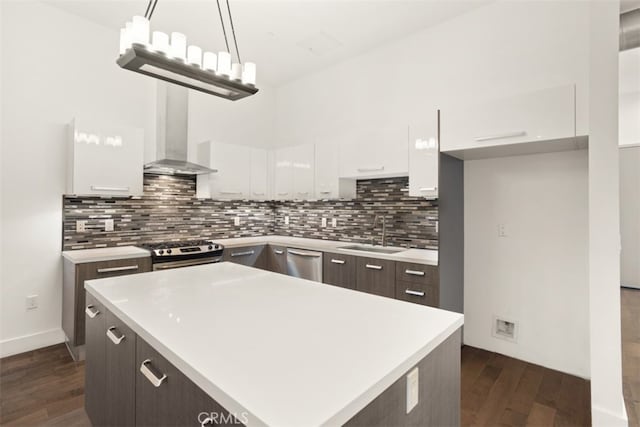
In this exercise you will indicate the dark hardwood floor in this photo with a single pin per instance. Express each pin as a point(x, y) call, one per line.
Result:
point(45, 387)
point(630, 302)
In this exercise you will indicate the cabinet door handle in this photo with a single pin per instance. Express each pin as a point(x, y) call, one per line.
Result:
point(116, 340)
point(337, 261)
point(414, 293)
point(374, 267)
point(303, 192)
point(308, 254)
point(242, 253)
point(325, 192)
point(153, 379)
point(379, 168)
point(428, 188)
point(415, 272)
point(91, 311)
point(258, 194)
point(278, 252)
point(500, 136)
point(113, 269)
point(230, 192)
point(282, 194)
point(101, 188)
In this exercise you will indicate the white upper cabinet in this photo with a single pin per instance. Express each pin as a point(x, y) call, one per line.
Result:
point(294, 172)
point(542, 115)
point(424, 157)
point(233, 179)
point(329, 185)
point(259, 174)
point(375, 152)
point(105, 159)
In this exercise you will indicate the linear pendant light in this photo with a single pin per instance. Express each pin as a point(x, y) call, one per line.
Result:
point(174, 62)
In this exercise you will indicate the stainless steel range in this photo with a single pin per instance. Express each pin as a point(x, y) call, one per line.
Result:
point(184, 253)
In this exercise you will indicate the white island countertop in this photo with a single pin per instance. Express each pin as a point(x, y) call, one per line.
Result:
point(105, 254)
point(419, 256)
point(286, 351)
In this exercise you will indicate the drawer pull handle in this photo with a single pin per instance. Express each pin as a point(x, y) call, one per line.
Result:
point(114, 269)
point(337, 261)
point(153, 379)
point(374, 267)
point(379, 168)
point(101, 188)
point(308, 254)
point(116, 340)
point(243, 253)
point(500, 136)
point(91, 311)
point(258, 194)
point(428, 189)
point(414, 293)
point(325, 192)
point(278, 252)
point(282, 194)
point(230, 192)
point(415, 272)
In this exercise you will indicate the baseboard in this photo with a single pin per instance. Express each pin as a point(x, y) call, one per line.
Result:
point(24, 343)
point(601, 417)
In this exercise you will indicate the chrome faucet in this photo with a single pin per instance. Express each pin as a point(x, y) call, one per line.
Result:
point(384, 228)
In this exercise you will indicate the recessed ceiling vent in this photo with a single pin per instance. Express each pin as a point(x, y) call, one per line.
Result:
point(320, 44)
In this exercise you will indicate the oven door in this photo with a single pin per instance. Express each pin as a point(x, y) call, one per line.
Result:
point(185, 263)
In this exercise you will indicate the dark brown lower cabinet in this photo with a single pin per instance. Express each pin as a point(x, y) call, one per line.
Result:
point(120, 370)
point(339, 270)
point(252, 256)
point(166, 397)
point(95, 388)
point(277, 259)
point(376, 276)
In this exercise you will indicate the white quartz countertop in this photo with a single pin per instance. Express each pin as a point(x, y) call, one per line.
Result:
point(283, 350)
point(105, 254)
point(419, 256)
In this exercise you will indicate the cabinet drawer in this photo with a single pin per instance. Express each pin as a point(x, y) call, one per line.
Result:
point(339, 270)
point(277, 259)
point(376, 276)
point(420, 293)
point(251, 256)
point(416, 273)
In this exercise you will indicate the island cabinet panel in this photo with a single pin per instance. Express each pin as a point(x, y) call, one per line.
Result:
point(417, 283)
point(339, 270)
point(277, 259)
point(438, 393)
point(166, 397)
point(376, 276)
point(95, 388)
point(252, 256)
point(121, 372)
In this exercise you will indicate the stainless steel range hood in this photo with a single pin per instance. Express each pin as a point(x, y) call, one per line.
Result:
point(172, 115)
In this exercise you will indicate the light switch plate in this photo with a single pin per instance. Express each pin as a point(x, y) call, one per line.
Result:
point(324, 222)
point(413, 385)
point(502, 230)
point(81, 226)
point(334, 222)
point(108, 225)
point(32, 302)
point(286, 220)
point(236, 221)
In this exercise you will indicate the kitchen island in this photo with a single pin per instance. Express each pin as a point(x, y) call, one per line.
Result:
point(229, 344)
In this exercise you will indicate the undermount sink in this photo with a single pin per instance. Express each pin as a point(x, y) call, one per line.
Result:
point(377, 249)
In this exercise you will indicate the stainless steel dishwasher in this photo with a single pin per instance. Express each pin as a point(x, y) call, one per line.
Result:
point(304, 264)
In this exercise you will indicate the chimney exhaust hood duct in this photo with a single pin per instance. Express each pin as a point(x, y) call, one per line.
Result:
point(172, 115)
point(630, 30)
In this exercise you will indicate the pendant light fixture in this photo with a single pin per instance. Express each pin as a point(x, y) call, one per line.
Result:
point(171, 59)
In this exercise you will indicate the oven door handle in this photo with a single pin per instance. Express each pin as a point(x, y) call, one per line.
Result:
point(185, 263)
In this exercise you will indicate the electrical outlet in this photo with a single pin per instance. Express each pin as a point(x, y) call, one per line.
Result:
point(236, 220)
point(506, 329)
point(108, 225)
point(413, 387)
point(334, 222)
point(286, 220)
point(32, 302)
point(502, 230)
point(324, 222)
point(81, 226)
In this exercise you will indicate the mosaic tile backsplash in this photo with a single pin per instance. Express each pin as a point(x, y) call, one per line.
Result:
point(169, 210)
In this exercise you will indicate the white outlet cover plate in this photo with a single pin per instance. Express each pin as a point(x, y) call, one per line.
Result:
point(108, 225)
point(413, 387)
point(81, 226)
point(516, 329)
point(236, 220)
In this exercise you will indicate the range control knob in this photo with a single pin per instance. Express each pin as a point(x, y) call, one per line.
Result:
point(161, 251)
point(210, 247)
point(168, 251)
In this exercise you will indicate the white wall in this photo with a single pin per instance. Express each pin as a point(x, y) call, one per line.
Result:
point(630, 216)
point(537, 275)
point(629, 97)
point(607, 404)
point(490, 52)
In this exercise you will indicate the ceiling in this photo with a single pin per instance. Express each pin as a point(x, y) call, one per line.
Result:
point(287, 39)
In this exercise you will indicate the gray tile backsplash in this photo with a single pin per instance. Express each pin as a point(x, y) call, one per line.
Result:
point(169, 210)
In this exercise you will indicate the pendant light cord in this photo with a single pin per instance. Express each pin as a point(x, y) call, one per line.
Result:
point(153, 8)
point(146, 13)
point(224, 31)
point(233, 31)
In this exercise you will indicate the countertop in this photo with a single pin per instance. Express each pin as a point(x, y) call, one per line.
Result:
point(286, 351)
point(105, 254)
point(419, 256)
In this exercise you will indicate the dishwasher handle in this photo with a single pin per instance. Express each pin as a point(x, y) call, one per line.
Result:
point(307, 254)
